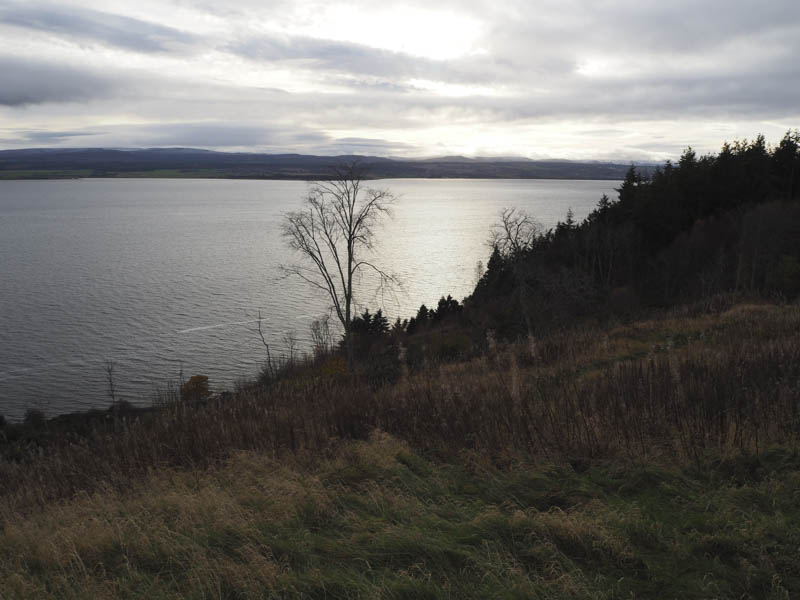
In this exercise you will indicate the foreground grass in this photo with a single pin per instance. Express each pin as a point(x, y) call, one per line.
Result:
point(376, 520)
point(651, 459)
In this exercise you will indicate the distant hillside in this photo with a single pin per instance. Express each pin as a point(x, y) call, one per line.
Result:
point(43, 163)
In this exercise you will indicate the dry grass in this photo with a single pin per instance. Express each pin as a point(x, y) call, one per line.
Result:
point(376, 520)
point(685, 387)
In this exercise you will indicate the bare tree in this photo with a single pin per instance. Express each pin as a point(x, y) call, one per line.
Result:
point(321, 336)
point(290, 342)
point(269, 367)
point(333, 234)
point(513, 235)
point(514, 232)
point(108, 367)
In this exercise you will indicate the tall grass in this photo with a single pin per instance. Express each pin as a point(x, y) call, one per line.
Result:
point(683, 386)
point(374, 519)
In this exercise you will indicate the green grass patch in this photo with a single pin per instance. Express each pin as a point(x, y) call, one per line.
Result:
point(383, 521)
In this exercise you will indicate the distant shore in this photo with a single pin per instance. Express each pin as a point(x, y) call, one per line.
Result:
point(176, 163)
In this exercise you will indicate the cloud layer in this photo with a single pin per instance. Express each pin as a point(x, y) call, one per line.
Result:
point(565, 79)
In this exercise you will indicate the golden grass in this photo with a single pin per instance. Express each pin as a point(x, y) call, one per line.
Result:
point(167, 523)
point(373, 519)
point(315, 488)
point(681, 385)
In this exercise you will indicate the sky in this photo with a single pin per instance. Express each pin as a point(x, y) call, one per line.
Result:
point(583, 80)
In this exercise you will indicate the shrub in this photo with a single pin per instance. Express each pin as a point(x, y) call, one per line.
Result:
point(196, 389)
point(34, 418)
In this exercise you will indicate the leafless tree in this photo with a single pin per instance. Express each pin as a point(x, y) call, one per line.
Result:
point(290, 343)
point(108, 367)
point(269, 367)
point(321, 336)
point(333, 234)
point(514, 232)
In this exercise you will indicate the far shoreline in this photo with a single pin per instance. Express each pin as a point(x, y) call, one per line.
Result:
point(72, 177)
point(191, 163)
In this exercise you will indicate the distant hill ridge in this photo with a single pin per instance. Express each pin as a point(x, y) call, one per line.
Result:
point(42, 163)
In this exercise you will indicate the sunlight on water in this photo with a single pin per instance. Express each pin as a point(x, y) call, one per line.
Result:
point(169, 276)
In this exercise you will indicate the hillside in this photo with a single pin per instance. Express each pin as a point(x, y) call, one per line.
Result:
point(43, 163)
point(655, 459)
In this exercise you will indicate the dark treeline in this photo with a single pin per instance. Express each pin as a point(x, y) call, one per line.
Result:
point(707, 225)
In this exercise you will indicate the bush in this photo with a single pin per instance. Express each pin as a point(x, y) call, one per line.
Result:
point(34, 418)
point(196, 389)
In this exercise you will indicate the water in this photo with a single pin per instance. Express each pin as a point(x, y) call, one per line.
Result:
point(164, 276)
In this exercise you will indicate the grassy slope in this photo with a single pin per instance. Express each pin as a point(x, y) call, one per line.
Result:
point(376, 520)
point(382, 518)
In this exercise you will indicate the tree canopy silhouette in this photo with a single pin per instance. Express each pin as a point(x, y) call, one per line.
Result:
point(687, 230)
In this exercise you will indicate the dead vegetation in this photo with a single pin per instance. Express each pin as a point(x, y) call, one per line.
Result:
point(678, 386)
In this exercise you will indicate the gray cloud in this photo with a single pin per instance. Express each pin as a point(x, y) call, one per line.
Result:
point(53, 137)
point(228, 135)
point(688, 26)
point(595, 65)
point(358, 60)
point(219, 135)
point(540, 65)
point(27, 82)
point(368, 146)
point(210, 134)
point(91, 25)
point(313, 53)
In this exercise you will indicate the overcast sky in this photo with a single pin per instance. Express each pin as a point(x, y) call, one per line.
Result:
point(593, 79)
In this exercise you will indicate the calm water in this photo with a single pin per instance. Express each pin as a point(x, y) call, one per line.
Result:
point(164, 275)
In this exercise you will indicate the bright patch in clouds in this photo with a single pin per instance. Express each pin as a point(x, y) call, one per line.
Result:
point(598, 67)
point(426, 33)
point(455, 90)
